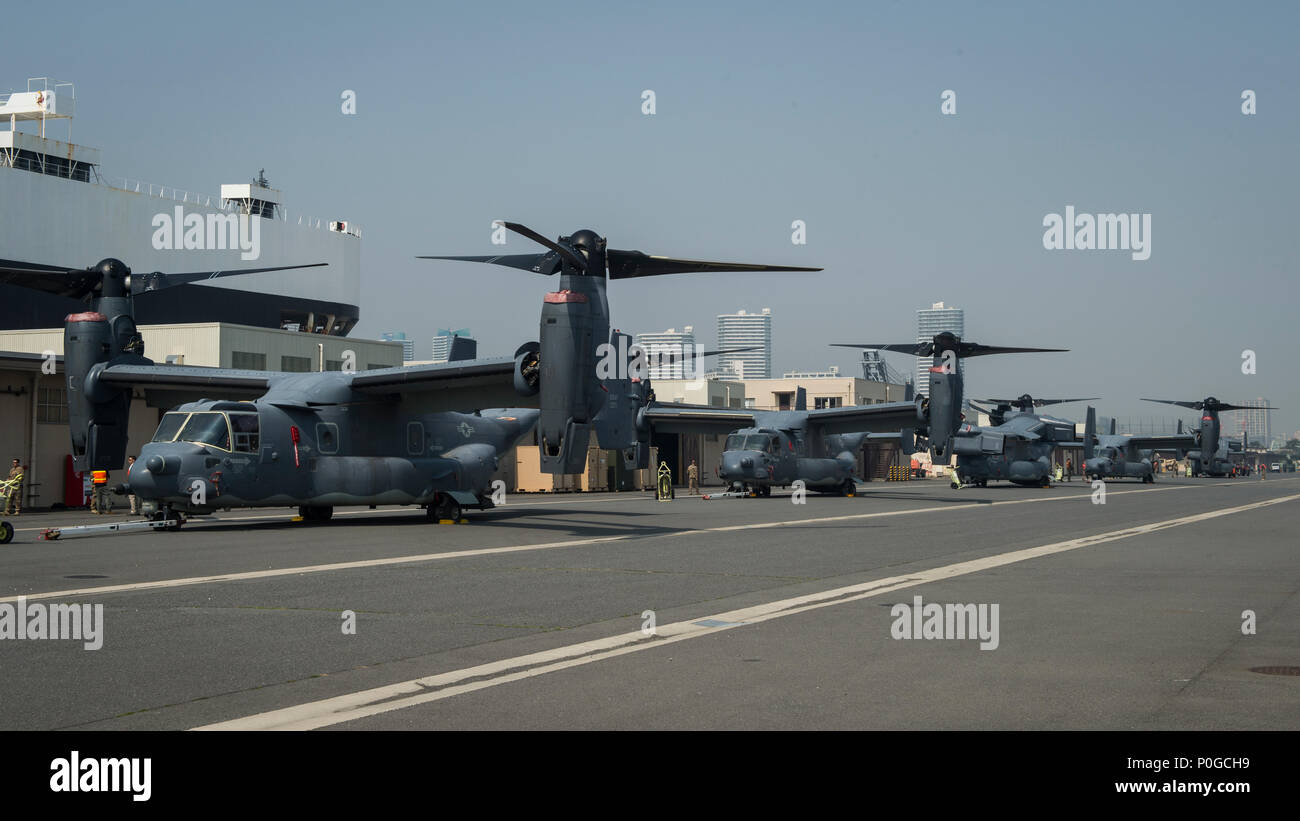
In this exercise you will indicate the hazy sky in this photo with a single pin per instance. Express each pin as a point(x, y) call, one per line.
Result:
point(827, 113)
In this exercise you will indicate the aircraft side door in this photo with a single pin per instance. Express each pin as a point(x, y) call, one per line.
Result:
point(788, 449)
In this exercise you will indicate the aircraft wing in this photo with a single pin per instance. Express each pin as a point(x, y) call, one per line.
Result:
point(463, 385)
point(189, 380)
point(669, 417)
point(442, 376)
point(883, 418)
point(1178, 442)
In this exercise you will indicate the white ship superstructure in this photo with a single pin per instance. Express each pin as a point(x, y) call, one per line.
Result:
point(59, 211)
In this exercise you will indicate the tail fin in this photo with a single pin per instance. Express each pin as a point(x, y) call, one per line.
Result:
point(1089, 432)
point(801, 400)
point(1112, 426)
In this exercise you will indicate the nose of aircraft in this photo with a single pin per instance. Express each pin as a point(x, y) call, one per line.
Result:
point(743, 464)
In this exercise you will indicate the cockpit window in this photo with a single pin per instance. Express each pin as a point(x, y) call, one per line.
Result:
point(245, 429)
point(762, 442)
point(207, 428)
point(169, 426)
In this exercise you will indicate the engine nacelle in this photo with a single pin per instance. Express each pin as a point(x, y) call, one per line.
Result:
point(97, 414)
point(570, 392)
point(944, 409)
point(528, 369)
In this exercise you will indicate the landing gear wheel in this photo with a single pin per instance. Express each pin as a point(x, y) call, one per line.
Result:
point(6, 533)
point(174, 521)
point(444, 507)
point(849, 488)
point(1046, 482)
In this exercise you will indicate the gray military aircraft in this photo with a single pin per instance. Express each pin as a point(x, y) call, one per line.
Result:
point(767, 449)
point(1126, 456)
point(1017, 447)
point(1211, 456)
point(1019, 450)
point(406, 435)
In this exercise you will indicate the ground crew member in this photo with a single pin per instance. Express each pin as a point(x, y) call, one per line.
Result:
point(14, 489)
point(1056, 470)
point(99, 493)
point(132, 498)
point(693, 478)
point(1069, 468)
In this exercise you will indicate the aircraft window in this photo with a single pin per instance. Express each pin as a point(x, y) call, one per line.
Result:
point(207, 428)
point(170, 425)
point(245, 428)
point(762, 442)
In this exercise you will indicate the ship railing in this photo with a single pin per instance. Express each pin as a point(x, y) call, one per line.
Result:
point(229, 206)
point(167, 192)
point(51, 166)
point(172, 193)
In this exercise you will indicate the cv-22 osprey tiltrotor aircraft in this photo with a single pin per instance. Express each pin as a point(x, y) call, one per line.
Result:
point(766, 449)
point(1211, 455)
point(769, 449)
point(1017, 446)
point(1018, 450)
point(1125, 456)
point(405, 435)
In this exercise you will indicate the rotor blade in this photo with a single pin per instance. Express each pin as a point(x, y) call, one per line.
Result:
point(32, 268)
point(732, 350)
point(629, 264)
point(1038, 403)
point(546, 264)
point(968, 349)
point(573, 259)
point(198, 276)
point(50, 279)
point(1179, 403)
point(1224, 406)
point(913, 348)
point(667, 353)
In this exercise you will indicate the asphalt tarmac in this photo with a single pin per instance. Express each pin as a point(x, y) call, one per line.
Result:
point(766, 614)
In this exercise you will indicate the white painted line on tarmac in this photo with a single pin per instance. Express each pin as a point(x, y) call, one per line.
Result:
point(162, 584)
point(353, 706)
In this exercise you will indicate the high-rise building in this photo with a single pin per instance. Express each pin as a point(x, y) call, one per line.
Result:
point(667, 352)
point(745, 330)
point(930, 321)
point(1253, 421)
point(442, 343)
point(408, 345)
